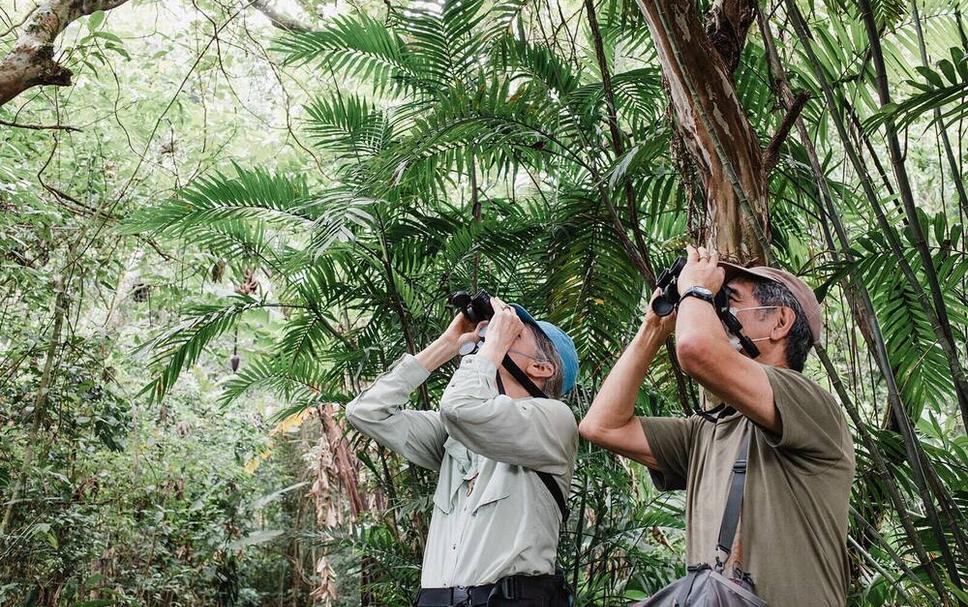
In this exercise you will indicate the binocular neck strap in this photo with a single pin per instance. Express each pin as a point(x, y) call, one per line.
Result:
point(546, 478)
point(511, 367)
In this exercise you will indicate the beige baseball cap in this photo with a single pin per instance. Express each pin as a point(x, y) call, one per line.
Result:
point(801, 292)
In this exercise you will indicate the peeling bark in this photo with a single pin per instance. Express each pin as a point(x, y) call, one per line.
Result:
point(31, 61)
point(727, 23)
point(710, 120)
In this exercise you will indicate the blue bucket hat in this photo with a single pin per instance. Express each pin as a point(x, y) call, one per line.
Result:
point(563, 344)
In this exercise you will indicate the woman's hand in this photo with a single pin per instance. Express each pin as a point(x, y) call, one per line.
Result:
point(447, 346)
point(459, 331)
point(502, 330)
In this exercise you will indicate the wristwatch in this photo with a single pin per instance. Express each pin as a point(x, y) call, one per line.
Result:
point(699, 293)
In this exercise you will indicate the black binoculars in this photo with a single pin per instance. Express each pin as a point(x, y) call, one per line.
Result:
point(474, 308)
point(668, 300)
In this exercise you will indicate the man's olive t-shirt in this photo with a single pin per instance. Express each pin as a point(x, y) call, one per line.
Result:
point(793, 528)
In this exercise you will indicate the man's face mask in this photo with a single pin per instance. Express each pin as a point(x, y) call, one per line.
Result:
point(734, 340)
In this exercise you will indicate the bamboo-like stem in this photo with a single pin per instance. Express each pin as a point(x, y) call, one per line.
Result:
point(902, 565)
point(907, 428)
point(956, 175)
point(880, 569)
point(940, 320)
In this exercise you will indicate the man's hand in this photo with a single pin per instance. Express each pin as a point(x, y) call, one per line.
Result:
point(653, 324)
point(702, 270)
point(502, 330)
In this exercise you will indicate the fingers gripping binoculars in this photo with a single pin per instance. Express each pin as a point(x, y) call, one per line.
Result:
point(475, 308)
point(668, 300)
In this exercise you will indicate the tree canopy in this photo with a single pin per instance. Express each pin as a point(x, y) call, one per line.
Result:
point(221, 221)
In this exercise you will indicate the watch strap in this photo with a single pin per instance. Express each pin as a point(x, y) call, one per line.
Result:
point(694, 292)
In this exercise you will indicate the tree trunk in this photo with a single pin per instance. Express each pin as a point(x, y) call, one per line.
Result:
point(31, 60)
point(710, 120)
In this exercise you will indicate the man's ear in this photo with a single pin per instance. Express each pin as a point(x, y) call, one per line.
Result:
point(784, 324)
point(541, 369)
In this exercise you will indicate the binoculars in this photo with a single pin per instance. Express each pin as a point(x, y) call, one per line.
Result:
point(475, 308)
point(668, 299)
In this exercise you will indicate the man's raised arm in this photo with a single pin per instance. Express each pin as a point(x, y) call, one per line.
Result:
point(610, 422)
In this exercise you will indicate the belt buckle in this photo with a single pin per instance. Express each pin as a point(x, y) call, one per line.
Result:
point(509, 588)
point(460, 596)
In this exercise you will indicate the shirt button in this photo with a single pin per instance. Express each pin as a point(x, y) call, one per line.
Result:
point(454, 547)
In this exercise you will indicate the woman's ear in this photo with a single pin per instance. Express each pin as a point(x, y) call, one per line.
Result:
point(541, 369)
point(784, 324)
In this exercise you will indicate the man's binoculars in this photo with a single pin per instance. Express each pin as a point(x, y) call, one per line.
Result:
point(668, 300)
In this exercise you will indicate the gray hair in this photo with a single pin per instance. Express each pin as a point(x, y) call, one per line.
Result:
point(799, 339)
point(553, 385)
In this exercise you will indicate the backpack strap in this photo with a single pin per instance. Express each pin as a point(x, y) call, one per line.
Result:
point(734, 499)
point(546, 478)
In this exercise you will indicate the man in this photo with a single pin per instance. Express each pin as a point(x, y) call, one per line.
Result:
point(494, 530)
point(793, 527)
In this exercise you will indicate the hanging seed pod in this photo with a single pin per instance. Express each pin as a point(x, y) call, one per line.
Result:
point(234, 362)
point(249, 284)
point(140, 292)
point(218, 270)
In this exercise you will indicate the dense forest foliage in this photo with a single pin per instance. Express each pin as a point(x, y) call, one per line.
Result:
point(221, 220)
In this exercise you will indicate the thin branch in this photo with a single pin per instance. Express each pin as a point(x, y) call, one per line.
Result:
point(280, 20)
point(14, 26)
point(772, 154)
point(40, 127)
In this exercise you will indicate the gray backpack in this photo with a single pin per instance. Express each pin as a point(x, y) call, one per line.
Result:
point(705, 585)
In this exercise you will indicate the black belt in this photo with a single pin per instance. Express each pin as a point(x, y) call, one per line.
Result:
point(508, 588)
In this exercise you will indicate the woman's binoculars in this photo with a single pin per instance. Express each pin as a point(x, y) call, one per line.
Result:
point(474, 308)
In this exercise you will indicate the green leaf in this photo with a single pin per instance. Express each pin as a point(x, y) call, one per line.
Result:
point(95, 20)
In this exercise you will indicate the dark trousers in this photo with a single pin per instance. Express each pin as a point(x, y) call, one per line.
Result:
point(512, 591)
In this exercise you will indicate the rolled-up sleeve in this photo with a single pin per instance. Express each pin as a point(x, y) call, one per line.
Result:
point(378, 412)
point(537, 433)
point(670, 441)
